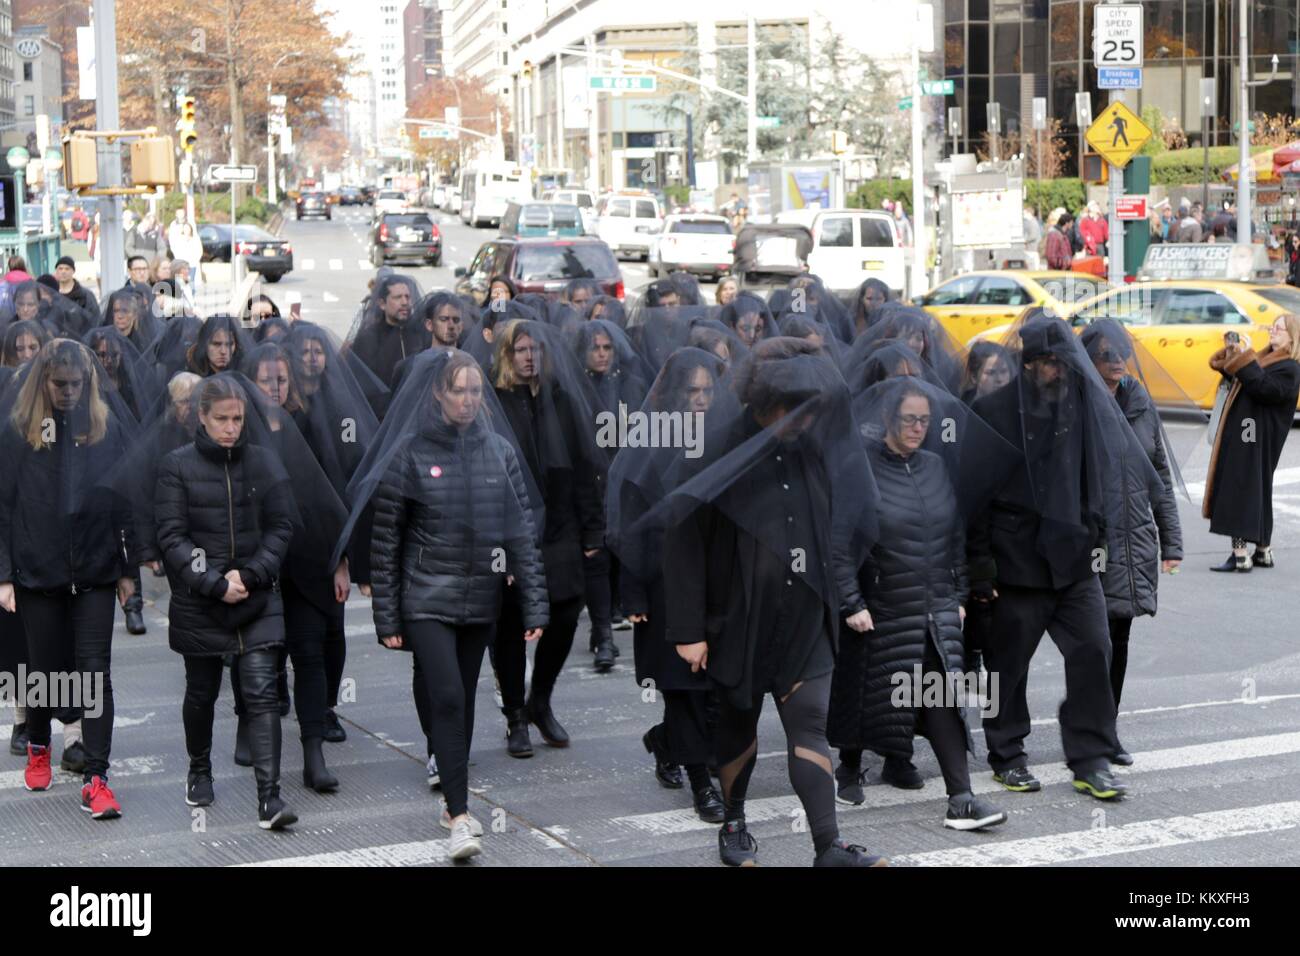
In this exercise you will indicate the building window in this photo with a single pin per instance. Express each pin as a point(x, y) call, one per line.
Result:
point(27, 71)
point(29, 106)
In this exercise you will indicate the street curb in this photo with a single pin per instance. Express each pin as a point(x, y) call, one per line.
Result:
point(275, 223)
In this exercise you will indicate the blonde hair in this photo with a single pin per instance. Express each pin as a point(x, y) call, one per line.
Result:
point(182, 385)
point(33, 410)
point(503, 368)
point(1292, 323)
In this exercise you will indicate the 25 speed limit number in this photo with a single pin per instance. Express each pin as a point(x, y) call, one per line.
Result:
point(1117, 34)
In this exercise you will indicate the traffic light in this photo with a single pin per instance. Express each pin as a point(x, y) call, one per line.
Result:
point(187, 124)
point(528, 71)
point(80, 167)
point(839, 142)
point(1095, 169)
point(153, 162)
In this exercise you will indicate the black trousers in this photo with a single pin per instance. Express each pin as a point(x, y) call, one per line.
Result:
point(73, 634)
point(1075, 618)
point(257, 670)
point(308, 632)
point(510, 652)
point(597, 571)
point(1119, 633)
point(449, 659)
point(423, 706)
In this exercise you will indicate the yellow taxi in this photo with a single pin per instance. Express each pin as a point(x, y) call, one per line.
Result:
point(1186, 298)
point(974, 302)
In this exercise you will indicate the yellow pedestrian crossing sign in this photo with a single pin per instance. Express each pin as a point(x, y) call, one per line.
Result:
point(1118, 133)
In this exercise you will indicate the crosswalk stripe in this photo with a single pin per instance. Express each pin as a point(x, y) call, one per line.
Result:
point(364, 265)
point(668, 822)
point(1107, 841)
point(420, 853)
point(336, 265)
point(127, 767)
point(307, 265)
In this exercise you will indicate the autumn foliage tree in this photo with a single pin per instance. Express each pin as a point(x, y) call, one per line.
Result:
point(478, 106)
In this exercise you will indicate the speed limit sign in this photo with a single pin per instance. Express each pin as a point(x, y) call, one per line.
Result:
point(1117, 35)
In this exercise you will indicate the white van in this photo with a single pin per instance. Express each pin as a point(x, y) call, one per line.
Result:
point(628, 221)
point(851, 246)
point(487, 187)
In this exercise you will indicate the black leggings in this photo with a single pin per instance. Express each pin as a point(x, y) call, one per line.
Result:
point(803, 716)
point(449, 658)
point(73, 634)
point(1119, 632)
point(510, 651)
point(309, 632)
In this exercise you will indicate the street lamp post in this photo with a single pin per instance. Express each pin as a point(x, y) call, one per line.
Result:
point(18, 158)
point(270, 145)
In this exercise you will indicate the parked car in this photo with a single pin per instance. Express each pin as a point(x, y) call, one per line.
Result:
point(541, 219)
point(852, 245)
point(693, 242)
point(313, 204)
point(390, 200)
point(405, 235)
point(351, 196)
point(268, 255)
point(541, 265)
point(628, 222)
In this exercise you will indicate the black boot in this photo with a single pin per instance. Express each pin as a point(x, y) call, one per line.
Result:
point(315, 775)
point(517, 742)
point(198, 785)
point(134, 608)
point(1235, 562)
point(605, 650)
point(668, 773)
point(243, 755)
point(539, 713)
point(264, 743)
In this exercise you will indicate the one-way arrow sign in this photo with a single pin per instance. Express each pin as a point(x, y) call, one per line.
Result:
point(232, 174)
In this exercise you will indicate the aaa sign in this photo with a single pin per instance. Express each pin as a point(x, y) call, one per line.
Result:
point(1118, 133)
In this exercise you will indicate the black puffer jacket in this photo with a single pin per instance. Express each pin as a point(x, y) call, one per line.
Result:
point(1148, 528)
point(236, 507)
point(913, 583)
point(60, 524)
point(447, 503)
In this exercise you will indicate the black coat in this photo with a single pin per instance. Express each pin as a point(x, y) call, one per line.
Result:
point(575, 509)
point(60, 526)
point(435, 558)
point(1239, 489)
point(236, 506)
point(1002, 541)
point(914, 584)
point(1148, 527)
point(381, 347)
point(730, 589)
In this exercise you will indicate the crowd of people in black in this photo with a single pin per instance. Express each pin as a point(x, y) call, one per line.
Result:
point(832, 504)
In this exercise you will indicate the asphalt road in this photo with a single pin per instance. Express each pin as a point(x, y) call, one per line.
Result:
point(1211, 713)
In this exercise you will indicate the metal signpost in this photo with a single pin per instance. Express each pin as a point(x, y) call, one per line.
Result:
point(233, 174)
point(1117, 52)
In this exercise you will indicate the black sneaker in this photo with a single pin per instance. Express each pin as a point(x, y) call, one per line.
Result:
point(275, 814)
point(74, 757)
point(848, 785)
point(969, 812)
point(1101, 784)
point(198, 790)
point(334, 732)
point(901, 773)
point(18, 742)
point(735, 846)
point(708, 805)
point(1122, 758)
point(1018, 780)
point(848, 854)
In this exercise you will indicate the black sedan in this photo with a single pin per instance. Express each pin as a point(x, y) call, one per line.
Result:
point(351, 196)
point(268, 255)
point(313, 204)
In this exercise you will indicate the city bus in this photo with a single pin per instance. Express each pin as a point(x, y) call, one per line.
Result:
point(487, 187)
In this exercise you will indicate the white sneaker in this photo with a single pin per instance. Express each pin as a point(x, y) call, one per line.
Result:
point(463, 843)
point(444, 821)
point(431, 768)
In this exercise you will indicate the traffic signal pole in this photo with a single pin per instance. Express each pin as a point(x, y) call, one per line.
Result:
point(112, 244)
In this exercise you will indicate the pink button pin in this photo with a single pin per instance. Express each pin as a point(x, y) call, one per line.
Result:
point(435, 471)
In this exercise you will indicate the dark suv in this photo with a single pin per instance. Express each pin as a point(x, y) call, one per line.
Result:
point(405, 235)
point(313, 204)
point(541, 265)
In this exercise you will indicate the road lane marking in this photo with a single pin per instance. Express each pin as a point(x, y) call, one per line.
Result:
point(422, 853)
point(307, 264)
point(669, 822)
point(330, 297)
point(336, 265)
point(1144, 835)
point(127, 767)
point(363, 265)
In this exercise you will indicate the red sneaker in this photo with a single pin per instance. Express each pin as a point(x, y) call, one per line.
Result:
point(37, 775)
point(98, 800)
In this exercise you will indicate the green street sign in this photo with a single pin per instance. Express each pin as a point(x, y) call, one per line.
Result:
point(768, 122)
point(607, 81)
point(938, 87)
point(905, 103)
